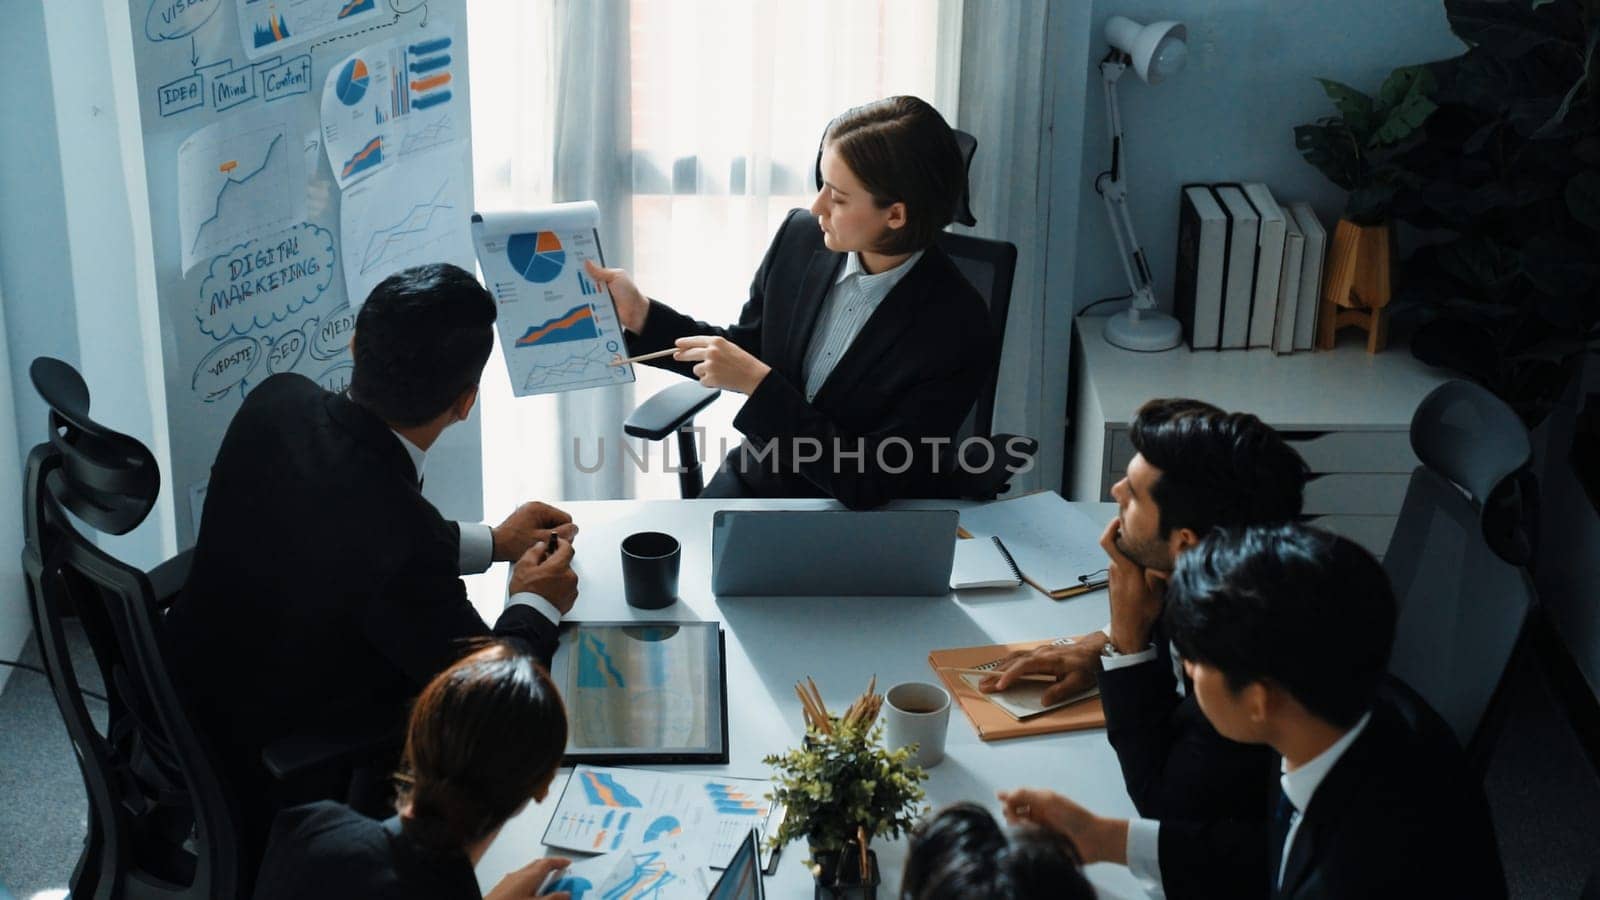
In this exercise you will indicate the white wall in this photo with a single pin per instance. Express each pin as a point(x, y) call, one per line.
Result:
point(73, 267)
point(1230, 115)
point(13, 594)
point(73, 283)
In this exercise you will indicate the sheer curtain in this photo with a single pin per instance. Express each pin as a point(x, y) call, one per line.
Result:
point(694, 123)
point(1007, 105)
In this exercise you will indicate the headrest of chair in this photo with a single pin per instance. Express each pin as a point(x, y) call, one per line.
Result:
point(1471, 437)
point(965, 142)
point(106, 478)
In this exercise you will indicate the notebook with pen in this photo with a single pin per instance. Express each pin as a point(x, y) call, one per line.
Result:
point(1050, 545)
point(991, 721)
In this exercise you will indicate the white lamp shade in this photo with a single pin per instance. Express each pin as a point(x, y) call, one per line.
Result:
point(1158, 50)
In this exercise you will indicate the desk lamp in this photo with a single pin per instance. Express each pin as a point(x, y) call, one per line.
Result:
point(1155, 51)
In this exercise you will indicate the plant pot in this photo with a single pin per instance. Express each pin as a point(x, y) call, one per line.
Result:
point(1358, 284)
point(834, 884)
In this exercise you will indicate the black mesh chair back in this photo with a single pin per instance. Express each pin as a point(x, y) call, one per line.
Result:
point(1457, 558)
point(989, 266)
point(160, 823)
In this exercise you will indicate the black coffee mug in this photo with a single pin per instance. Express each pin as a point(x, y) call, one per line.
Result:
point(650, 569)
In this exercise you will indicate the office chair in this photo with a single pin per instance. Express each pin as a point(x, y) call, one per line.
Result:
point(161, 824)
point(989, 266)
point(1457, 559)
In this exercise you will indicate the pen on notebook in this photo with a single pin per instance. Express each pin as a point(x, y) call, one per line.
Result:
point(643, 358)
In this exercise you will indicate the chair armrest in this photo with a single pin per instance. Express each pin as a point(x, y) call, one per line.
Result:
point(168, 578)
point(290, 758)
point(668, 410)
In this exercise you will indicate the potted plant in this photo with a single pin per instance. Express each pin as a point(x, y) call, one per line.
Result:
point(1507, 291)
point(1359, 151)
point(1507, 185)
point(842, 788)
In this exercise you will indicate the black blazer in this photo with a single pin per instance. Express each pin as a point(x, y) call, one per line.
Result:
point(325, 589)
point(1400, 815)
point(1207, 791)
point(1174, 763)
point(326, 851)
point(913, 372)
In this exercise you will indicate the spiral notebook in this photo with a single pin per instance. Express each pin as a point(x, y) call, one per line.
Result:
point(990, 721)
point(983, 563)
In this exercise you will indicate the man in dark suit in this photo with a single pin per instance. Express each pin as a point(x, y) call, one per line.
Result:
point(861, 348)
point(1286, 633)
point(1196, 468)
point(325, 590)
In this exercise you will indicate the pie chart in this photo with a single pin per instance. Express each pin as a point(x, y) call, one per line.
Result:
point(352, 84)
point(537, 256)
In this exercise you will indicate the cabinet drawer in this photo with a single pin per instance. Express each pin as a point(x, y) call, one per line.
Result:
point(1355, 451)
point(1354, 495)
point(1119, 450)
point(1371, 532)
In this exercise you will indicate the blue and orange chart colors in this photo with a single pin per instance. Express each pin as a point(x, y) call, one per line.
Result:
point(370, 156)
point(731, 800)
point(537, 257)
point(268, 26)
point(352, 83)
point(558, 328)
point(641, 810)
point(396, 95)
point(576, 324)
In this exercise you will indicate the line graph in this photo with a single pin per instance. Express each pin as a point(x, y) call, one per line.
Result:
point(229, 167)
point(437, 132)
point(234, 184)
point(400, 238)
point(568, 371)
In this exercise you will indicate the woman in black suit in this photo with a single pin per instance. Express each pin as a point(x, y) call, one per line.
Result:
point(485, 737)
point(861, 348)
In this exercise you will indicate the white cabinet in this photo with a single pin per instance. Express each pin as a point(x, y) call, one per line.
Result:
point(1347, 412)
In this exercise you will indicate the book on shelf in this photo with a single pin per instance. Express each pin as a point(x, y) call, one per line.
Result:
point(1269, 263)
point(1240, 276)
point(1202, 258)
point(1316, 248)
point(1294, 243)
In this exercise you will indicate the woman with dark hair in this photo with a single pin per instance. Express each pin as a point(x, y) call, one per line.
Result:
point(485, 737)
point(963, 852)
point(861, 348)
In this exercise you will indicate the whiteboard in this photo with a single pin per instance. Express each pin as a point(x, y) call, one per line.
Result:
point(268, 229)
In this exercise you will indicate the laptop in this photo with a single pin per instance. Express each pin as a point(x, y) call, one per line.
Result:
point(742, 879)
point(832, 553)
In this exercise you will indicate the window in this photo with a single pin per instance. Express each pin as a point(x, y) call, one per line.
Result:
point(728, 100)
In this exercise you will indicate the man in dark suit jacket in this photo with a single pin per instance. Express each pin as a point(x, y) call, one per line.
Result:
point(1195, 469)
point(325, 590)
point(1286, 633)
point(861, 348)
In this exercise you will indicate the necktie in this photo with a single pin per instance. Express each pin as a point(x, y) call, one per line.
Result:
point(1282, 817)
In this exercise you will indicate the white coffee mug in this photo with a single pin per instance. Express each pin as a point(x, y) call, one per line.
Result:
point(916, 712)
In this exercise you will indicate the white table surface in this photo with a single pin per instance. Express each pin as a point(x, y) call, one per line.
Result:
point(841, 642)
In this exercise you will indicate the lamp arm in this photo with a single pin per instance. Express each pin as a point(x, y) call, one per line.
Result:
point(1113, 189)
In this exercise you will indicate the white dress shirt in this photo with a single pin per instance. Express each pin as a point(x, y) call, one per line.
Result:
point(1299, 786)
point(477, 544)
point(852, 300)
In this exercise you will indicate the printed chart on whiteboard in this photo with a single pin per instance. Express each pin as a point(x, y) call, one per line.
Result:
point(267, 26)
point(403, 217)
point(389, 101)
point(237, 179)
point(558, 329)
